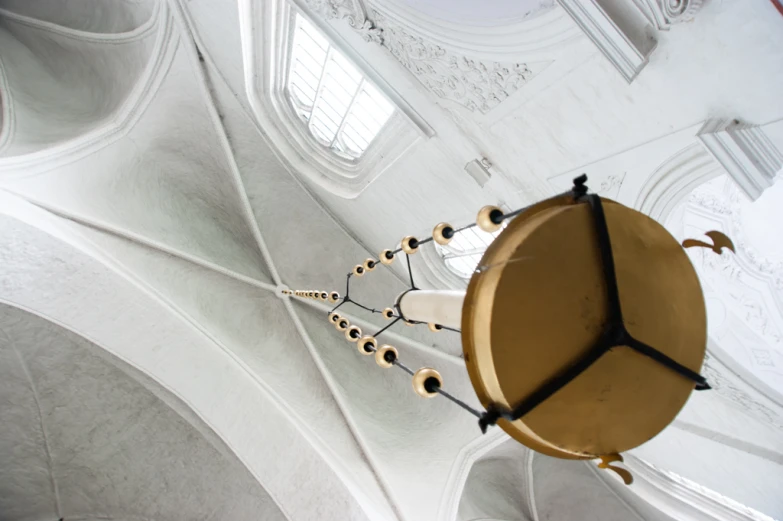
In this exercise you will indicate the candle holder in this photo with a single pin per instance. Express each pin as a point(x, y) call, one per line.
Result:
point(583, 326)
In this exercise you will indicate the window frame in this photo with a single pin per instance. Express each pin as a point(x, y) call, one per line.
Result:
point(265, 30)
point(294, 24)
point(448, 251)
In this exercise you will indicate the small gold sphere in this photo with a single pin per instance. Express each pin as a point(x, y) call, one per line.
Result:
point(425, 381)
point(443, 233)
point(334, 296)
point(388, 313)
point(369, 264)
point(342, 324)
point(383, 359)
point(334, 317)
point(410, 244)
point(310, 294)
point(386, 257)
point(324, 295)
point(358, 270)
point(490, 218)
point(353, 333)
point(435, 327)
point(364, 344)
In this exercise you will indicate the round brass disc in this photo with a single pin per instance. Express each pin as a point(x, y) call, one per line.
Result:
point(540, 305)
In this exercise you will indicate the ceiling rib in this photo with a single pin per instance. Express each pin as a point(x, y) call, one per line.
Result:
point(44, 435)
point(187, 28)
point(343, 408)
point(149, 243)
point(186, 23)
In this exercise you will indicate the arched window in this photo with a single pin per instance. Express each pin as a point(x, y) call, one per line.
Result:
point(326, 111)
point(463, 253)
point(342, 110)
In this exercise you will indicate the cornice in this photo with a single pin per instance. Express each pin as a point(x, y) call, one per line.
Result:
point(539, 37)
point(626, 39)
point(745, 151)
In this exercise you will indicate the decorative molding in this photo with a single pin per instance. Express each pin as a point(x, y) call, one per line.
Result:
point(665, 13)
point(477, 85)
point(544, 35)
point(681, 498)
point(745, 151)
point(717, 373)
point(266, 53)
point(455, 68)
point(619, 29)
point(673, 180)
point(728, 210)
point(353, 12)
point(749, 285)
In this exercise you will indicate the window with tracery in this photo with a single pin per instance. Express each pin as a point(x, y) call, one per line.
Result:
point(341, 109)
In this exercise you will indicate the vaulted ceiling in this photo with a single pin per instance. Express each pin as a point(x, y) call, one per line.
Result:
point(151, 367)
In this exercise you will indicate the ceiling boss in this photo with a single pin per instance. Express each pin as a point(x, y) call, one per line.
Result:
point(583, 327)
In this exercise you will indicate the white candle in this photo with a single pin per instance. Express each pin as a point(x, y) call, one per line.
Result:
point(437, 307)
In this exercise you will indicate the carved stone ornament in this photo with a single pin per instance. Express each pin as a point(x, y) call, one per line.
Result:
point(676, 11)
point(715, 373)
point(477, 85)
point(353, 12)
point(730, 207)
point(668, 12)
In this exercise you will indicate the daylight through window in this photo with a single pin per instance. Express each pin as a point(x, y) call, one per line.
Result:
point(341, 109)
point(465, 250)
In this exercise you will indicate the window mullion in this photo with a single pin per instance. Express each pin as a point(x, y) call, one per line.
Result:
point(350, 106)
point(465, 253)
point(320, 88)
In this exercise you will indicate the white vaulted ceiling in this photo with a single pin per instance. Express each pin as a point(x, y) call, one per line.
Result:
point(150, 367)
point(90, 439)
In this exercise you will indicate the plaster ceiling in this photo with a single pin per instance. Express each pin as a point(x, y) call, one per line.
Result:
point(159, 223)
point(82, 438)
